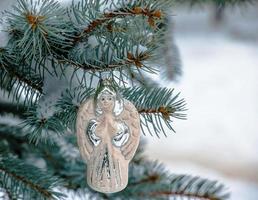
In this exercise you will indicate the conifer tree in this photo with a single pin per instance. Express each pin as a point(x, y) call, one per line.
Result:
point(52, 60)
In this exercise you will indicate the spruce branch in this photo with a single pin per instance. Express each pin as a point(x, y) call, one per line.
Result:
point(13, 139)
point(121, 13)
point(142, 80)
point(39, 32)
point(157, 107)
point(115, 51)
point(14, 109)
point(18, 82)
point(69, 103)
point(26, 181)
point(62, 157)
point(94, 68)
point(150, 180)
point(41, 28)
point(41, 127)
point(23, 77)
point(123, 63)
point(126, 34)
point(193, 188)
point(147, 179)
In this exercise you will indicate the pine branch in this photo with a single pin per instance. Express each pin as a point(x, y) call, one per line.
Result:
point(40, 127)
point(69, 104)
point(157, 106)
point(95, 68)
point(128, 10)
point(114, 51)
point(21, 77)
point(18, 83)
point(13, 139)
point(150, 180)
point(8, 108)
point(98, 60)
point(142, 80)
point(62, 157)
point(26, 181)
point(38, 33)
point(40, 28)
point(122, 63)
point(147, 180)
point(184, 186)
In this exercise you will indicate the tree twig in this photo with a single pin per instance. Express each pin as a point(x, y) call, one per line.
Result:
point(151, 14)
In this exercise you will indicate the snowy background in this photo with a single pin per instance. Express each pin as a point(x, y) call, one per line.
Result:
point(220, 84)
point(219, 140)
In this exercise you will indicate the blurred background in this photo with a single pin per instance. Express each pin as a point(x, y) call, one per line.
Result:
point(219, 140)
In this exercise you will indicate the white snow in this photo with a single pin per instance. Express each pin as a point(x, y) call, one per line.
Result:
point(219, 82)
point(4, 37)
point(92, 41)
point(3, 29)
point(139, 49)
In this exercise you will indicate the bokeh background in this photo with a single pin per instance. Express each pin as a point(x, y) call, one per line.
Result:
point(219, 140)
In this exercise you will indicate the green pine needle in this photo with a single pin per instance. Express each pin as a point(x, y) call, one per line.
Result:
point(19, 83)
point(157, 107)
point(27, 182)
point(40, 28)
point(40, 128)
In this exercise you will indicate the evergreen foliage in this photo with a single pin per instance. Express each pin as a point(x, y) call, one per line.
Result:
point(67, 49)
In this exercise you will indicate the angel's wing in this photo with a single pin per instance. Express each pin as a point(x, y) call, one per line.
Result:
point(131, 117)
point(85, 114)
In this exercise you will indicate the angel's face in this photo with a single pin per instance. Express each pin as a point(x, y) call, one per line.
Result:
point(106, 102)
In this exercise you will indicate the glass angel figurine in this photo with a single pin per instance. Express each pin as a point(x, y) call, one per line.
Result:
point(108, 134)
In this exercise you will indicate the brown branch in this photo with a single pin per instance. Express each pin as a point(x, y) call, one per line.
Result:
point(166, 112)
point(148, 111)
point(130, 60)
point(23, 79)
point(28, 82)
point(41, 190)
point(34, 20)
point(137, 60)
point(153, 178)
point(94, 68)
point(151, 14)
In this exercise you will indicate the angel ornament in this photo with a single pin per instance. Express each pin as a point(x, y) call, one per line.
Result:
point(108, 134)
